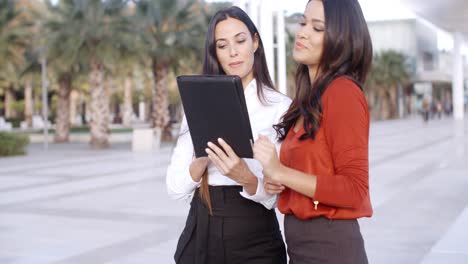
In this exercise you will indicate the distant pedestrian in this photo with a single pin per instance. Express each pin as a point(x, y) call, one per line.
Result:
point(425, 110)
point(447, 106)
point(438, 109)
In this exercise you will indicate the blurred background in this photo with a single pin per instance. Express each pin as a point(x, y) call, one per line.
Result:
point(89, 114)
point(65, 63)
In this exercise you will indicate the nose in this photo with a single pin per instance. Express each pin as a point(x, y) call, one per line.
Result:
point(233, 51)
point(301, 34)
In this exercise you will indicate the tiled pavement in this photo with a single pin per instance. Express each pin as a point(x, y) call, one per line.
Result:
point(75, 205)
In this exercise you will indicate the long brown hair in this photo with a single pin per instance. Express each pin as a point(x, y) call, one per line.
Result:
point(347, 51)
point(211, 65)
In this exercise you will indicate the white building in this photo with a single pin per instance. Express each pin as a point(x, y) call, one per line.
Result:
point(418, 40)
point(268, 16)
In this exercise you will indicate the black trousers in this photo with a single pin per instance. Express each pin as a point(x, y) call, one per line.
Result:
point(324, 241)
point(239, 231)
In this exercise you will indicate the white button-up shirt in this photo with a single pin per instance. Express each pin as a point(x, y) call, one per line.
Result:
point(180, 184)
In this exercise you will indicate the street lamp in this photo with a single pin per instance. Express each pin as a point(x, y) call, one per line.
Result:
point(44, 99)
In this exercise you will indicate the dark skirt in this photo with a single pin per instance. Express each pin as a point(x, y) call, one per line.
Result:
point(324, 241)
point(239, 231)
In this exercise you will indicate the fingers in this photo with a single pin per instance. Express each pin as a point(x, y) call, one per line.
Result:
point(219, 152)
point(227, 148)
point(263, 151)
point(217, 161)
point(264, 140)
point(273, 188)
point(263, 143)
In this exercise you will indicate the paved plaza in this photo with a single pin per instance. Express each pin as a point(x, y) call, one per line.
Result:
point(71, 204)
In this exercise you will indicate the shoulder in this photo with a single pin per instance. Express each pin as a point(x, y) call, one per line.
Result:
point(343, 86)
point(275, 98)
point(343, 91)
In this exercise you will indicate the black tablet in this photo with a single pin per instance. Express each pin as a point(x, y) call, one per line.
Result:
point(215, 107)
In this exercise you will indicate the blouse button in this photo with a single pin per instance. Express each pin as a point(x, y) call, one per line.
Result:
point(315, 205)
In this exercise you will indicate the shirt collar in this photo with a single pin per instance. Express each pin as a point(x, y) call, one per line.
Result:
point(251, 88)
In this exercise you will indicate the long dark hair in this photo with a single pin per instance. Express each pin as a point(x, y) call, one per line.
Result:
point(347, 52)
point(211, 63)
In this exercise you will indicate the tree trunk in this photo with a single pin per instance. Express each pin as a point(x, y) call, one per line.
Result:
point(127, 105)
point(8, 102)
point(99, 107)
point(62, 121)
point(384, 105)
point(371, 102)
point(28, 101)
point(393, 101)
point(160, 113)
point(74, 97)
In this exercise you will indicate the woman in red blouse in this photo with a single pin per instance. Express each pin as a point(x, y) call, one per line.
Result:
point(322, 174)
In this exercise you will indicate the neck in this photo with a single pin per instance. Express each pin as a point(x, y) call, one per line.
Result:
point(312, 72)
point(246, 80)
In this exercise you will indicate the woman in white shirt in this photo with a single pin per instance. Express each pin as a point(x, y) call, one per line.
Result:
point(231, 219)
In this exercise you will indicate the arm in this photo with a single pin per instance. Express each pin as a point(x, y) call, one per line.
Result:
point(260, 195)
point(346, 128)
point(230, 165)
point(268, 191)
point(346, 123)
point(240, 171)
point(276, 173)
point(183, 175)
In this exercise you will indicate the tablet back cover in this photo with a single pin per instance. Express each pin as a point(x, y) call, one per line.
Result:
point(215, 108)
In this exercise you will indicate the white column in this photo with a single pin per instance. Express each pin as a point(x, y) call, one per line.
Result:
point(253, 11)
point(266, 32)
point(141, 111)
point(281, 46)
point(457, 81)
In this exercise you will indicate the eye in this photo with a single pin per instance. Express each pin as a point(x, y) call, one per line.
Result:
point(221, 46)
point(317, 29)
point(241, 41)
point(302, 23)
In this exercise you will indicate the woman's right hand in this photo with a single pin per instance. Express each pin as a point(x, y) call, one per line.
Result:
point(271, 186)
point(198, 167)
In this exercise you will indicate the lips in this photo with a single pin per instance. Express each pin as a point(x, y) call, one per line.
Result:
point(235, 64)
point(300, 45)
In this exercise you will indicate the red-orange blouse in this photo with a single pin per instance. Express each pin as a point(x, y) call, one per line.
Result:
point(338, 157)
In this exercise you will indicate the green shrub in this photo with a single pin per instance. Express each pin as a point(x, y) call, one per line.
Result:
point(13, 144)
point(15, 121)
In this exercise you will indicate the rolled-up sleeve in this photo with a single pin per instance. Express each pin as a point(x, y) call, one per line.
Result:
point(179, 183)
point(261, 196)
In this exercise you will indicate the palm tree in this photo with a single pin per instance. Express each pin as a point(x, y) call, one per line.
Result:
point(171, 31)
point(14, 35)
point(61, 53)
point(126, 68)
point(389, 72)
point(91, 33)
point(31, 71)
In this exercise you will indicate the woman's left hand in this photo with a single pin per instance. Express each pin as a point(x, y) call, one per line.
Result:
point(265, 152)
point(228, 163)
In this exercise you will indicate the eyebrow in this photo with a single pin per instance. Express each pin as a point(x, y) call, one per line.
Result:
point(313, 19)
point(238, 34)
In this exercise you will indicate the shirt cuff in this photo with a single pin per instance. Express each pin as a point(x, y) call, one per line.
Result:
point(261, 196)
point(190, 184)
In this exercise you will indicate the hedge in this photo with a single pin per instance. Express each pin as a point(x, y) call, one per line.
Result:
point(13, 144)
